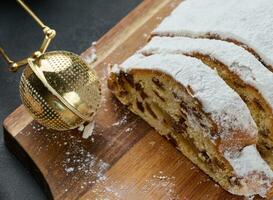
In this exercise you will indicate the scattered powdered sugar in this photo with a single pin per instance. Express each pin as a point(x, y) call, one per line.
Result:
point(161, 182)
point(128, 129)
point(123, 120)
point(115, 190)
point(109, 191)
point(36, 128)
point(202, 181)
point(85, 162)
point(69, 169)
point(92, 56)
point(76, 162)
point(89, 166)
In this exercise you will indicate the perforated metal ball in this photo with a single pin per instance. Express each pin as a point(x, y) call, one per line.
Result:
point(60, 90)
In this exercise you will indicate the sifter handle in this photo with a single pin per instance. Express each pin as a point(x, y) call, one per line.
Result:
point(31, 13)
point(49, 35)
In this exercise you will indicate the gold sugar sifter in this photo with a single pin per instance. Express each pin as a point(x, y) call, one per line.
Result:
point(58, 88)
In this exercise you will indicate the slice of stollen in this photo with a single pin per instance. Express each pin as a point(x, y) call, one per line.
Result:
point(186, 101)
point(240, 70)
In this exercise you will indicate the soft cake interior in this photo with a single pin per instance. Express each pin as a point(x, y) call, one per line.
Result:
point(173, 111)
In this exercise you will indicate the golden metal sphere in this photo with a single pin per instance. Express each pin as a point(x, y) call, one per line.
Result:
point(59, 90)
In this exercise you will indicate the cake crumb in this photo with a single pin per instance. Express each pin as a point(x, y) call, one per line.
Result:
point(128, 129)
point(193, 167)
point(159, 18)
point(216, 185)
point(145, 35)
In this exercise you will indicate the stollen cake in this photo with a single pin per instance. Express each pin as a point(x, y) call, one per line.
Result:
point(205, 82)
point(240, 70)
point(186, 101)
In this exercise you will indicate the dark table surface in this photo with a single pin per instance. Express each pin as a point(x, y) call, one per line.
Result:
point(77, 23)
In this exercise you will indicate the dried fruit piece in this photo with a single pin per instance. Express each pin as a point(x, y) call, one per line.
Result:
point(140, 89)
point(204, 156)
point(180, 126)
point(158, 83)
point(148, 107)
point(161, 98)
point(140, 106)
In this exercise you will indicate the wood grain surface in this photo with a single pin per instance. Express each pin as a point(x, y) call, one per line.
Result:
point(124, 158)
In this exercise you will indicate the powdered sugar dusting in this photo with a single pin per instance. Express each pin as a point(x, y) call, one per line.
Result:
point(249, 165)
point(249, 22)
point(207, 87)
point(113, 190)
point(237, 59)
point(69, 169)
point(74, 161)
point(84, 162)
point(91, 168)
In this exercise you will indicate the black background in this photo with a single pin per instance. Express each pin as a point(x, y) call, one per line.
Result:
point(78, 23)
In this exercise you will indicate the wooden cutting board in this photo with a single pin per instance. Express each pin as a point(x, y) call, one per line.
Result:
point(124, 158)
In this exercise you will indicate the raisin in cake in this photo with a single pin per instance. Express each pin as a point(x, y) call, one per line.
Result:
point(184, 99)
point(240, 70)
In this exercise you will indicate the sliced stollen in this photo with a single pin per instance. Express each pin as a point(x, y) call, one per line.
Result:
point(186, 101)
point(240, 70)
point(248, 23)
